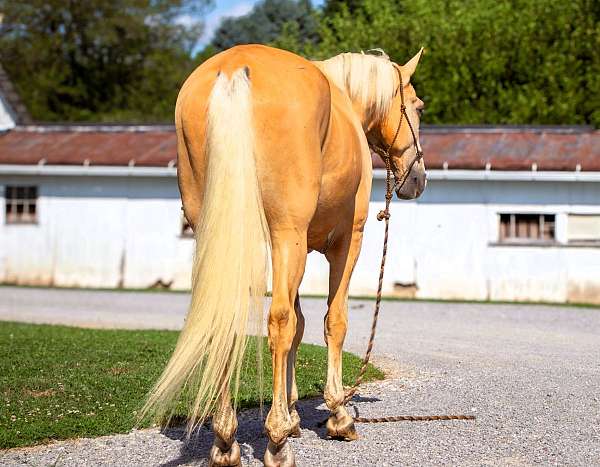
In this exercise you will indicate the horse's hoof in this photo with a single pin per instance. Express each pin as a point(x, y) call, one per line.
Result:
point(279, 455)
point(229, 458)
point(295, 432)
point(341, 427)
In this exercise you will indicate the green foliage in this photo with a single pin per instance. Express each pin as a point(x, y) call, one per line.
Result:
point(487, 61)
point(58, 382)
point(266, 22)
point(98, 59)
point(331, 7)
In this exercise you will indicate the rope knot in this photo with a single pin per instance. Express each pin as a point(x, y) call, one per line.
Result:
point(402, 108)
point(384, 214)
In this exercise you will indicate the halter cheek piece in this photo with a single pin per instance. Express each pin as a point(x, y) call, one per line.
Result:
point(390, 166)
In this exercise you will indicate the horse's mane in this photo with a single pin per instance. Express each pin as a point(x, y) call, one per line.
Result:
point(369, 79)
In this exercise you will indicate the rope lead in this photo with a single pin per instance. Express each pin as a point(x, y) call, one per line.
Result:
point(385, 216)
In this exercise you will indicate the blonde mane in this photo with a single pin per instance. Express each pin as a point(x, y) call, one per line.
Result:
point(368, 79)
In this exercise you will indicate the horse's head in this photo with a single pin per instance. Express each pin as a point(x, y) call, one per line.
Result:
point(402, 138)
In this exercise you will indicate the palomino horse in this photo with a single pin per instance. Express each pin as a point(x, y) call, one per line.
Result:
point(274, 158)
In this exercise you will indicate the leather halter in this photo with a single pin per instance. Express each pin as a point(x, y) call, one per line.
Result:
point(385, 153)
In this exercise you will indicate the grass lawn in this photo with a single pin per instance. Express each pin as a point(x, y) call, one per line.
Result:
point(60, 382)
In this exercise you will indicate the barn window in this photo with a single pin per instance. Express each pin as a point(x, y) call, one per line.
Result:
point(583, 229)
point(526, 228)
point(21, 204)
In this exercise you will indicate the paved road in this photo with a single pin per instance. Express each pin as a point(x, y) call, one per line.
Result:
point(531, 374)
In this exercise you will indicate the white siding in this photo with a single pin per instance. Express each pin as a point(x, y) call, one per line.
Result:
point(446, 243)
point(98, 232)
point(6, 118)
point(124, 231)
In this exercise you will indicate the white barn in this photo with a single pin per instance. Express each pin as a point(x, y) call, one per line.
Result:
point(509, 213)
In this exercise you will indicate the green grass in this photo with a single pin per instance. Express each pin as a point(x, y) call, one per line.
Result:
point(59, 382)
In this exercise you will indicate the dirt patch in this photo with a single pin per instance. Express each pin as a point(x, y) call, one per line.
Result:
point(118, 370)
point(35, 393)
point(583, 293)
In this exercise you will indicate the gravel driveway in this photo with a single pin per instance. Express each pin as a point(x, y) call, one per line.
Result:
point(531, 374)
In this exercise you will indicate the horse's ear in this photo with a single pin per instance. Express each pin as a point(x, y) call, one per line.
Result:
point(409, 67)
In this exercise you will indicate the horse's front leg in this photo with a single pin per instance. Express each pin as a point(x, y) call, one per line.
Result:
point(289, 258)
point(291, 369)
point(225, 450)
point(342, 257)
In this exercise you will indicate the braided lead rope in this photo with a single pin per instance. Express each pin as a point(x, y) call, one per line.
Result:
point(408, 418)
point(412, 418)
point(385, 216)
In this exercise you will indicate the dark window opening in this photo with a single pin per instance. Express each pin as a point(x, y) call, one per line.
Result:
point(21, 204)
point(527, 228)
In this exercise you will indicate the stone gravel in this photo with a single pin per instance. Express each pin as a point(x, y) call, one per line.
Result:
point(531, 375)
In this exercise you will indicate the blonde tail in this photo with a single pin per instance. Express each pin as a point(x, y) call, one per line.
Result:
point(230, 266)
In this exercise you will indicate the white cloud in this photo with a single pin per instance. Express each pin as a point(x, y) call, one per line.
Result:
point(213, 21)
point(186, 20)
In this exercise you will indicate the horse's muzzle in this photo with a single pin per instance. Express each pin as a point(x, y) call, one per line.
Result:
point(413, 187)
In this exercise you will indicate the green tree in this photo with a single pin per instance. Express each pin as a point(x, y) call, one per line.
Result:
point(336, 6)
point(99, 59)
point(266, 22)
point(487, 61)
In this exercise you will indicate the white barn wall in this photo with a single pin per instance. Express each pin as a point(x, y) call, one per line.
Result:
point(446, 244)
point(454, 239)
point(125, 231)
point(98, 232)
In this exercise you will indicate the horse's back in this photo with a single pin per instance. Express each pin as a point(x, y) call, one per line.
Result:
point(288, 91)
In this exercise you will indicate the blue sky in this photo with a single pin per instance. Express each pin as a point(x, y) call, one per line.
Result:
point(227, 8)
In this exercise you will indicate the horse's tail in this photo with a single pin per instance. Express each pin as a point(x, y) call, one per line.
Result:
point(230, 265)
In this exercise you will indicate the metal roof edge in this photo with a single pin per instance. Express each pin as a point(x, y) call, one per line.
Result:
point(88, 170)
point(41, 127)
point(504, 175)
point(501, 129)
point(379, 174)
point(93, 128)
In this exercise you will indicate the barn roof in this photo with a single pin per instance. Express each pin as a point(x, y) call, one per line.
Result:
point(519, 148)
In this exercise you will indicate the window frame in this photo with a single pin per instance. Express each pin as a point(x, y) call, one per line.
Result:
point(592, 242)
point(29, 201)
point(513, 239)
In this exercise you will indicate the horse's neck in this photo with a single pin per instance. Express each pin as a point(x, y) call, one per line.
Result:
point(364, 115)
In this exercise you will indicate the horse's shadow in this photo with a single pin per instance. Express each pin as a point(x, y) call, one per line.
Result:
point(251, 432)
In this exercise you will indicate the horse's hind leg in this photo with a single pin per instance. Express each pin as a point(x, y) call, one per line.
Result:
point(289, 258)
point(342, 257)
point(291, 369)
point(225, 450)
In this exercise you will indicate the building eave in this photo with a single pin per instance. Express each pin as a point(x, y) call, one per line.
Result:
point(378, 174)
point(505, 175)
point(87, 170)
